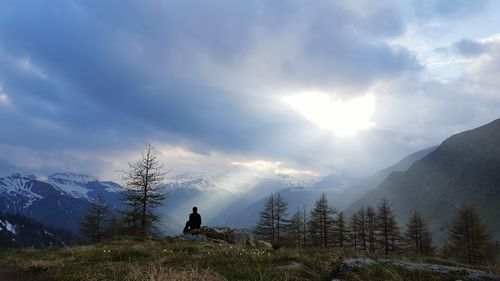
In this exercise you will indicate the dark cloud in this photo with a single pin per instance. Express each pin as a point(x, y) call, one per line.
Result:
point(93, 76)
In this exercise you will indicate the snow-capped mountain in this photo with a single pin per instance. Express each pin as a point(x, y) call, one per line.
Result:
point(59, 200)
point(195, 181)
point(80, 186)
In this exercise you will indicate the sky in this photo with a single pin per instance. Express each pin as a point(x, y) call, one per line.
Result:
point(241, 88)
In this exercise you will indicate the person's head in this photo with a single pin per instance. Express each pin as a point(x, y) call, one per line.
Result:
point(195, 209)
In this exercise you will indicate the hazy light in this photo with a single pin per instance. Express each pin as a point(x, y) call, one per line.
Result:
point(342, 117)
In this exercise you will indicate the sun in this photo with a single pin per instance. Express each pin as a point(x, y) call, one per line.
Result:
point(343, 117)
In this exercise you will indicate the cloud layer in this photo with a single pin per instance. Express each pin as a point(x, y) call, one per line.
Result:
point(83, 83)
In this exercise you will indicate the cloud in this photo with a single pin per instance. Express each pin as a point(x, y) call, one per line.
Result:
point(85, 74)
point(90, 82)
point(449, 9)
point(482, 66)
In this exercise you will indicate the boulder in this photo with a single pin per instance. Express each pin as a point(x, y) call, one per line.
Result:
point(192, 237)
point(264, 244)
point(219, 234)
point(351, 265)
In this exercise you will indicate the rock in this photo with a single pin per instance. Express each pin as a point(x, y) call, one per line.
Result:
point(214, 232)
point(218, 234)
point(240, 237)
point(192, 237)
point(348, 266)
point(264, 244)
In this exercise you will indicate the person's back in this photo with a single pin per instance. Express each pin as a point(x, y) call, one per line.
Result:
point(194, 221)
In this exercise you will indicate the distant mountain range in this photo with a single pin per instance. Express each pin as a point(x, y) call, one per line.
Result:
point(464, 168)
point(59, 200)
point(333, 186)
point(435, 181)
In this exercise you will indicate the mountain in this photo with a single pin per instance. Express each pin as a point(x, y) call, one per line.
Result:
point(59, 200)
point(18, 231)
point(196, 189)
point(357, 190)
point(464, 168)
point(334, 186)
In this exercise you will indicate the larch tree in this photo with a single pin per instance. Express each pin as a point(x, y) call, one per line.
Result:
point(296, 228)
point(143, 192)
point(304, 225)
point(354, 230)
point(281, 212)
point(265, 228)
point(387, 228)
point(341, 230)
point(321, 222)
point(93, 224)
point(469, 240)
point(417, 236)
point(370, 222)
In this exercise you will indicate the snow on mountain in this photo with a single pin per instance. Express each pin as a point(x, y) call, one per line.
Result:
point(76, 185)
point(292, 181)
point(196, 181)
point(7, 226)
point(18, 185)
point(72, 184)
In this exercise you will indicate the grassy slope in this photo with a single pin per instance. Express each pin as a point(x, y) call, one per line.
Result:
point(173, 260)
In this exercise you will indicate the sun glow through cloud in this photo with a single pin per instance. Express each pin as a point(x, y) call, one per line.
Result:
point(342, 117)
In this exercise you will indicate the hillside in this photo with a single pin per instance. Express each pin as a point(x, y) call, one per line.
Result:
point(338, 195)
point(357, 190)
point(17, 231)
point(173, 260)
point(464, 168)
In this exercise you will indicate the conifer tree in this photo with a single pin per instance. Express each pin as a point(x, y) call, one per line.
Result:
point(469, 240)
point(296, 228)
point(387, 228)
point(370, 220)
point(354, 230)
point(341, 230)
point(93, 223)
point(265, 228)
point(304, 225)
point(321, 222)
point(143, 193)
point(281, 212)
point(417, 236)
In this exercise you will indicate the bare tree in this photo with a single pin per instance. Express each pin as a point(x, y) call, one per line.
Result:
point(143, 193)
point(93, 223)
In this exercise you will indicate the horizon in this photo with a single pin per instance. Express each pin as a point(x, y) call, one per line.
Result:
point(241, 91)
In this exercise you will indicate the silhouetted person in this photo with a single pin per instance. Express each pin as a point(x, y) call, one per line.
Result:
point(194, 221)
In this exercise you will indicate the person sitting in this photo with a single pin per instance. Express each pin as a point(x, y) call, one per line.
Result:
point(194, 221)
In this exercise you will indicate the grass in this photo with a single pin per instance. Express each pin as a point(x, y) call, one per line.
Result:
point(168, 259)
